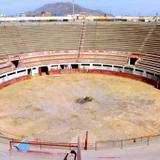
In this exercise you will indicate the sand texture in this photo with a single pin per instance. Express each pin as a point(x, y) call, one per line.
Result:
point(45, 108)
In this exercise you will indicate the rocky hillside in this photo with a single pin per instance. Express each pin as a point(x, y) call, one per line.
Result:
point(65, 8)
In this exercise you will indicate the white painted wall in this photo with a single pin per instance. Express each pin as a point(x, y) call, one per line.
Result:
point(34, 71)
point(24, 71)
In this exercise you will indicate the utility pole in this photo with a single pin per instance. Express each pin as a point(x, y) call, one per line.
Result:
point(73, 7)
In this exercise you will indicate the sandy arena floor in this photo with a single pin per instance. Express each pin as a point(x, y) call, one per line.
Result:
point(44, 107)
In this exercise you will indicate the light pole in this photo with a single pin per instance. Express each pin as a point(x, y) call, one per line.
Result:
point(73, 7)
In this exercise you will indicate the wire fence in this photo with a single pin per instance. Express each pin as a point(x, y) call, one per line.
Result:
point(98, 145)
point(139, 141)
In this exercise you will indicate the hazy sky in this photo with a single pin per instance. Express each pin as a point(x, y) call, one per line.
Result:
point(116, 7)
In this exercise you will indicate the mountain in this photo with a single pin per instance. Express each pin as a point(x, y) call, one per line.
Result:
point(65, 8)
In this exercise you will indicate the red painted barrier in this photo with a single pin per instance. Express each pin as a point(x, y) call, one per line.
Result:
point(58, 71)
point(127, 75)
point(41, 145)
point(55, 71)
point(64, 145)
point(12, 81)
point(43, 152)
point(40, 71)
point(86, 142)
point(122, 74)
point(158, 84)
point(9, 66)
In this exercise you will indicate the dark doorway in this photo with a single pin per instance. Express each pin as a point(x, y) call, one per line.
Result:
point(29, 71)
point(74, 66)
point(16, 63)
point(133, 61)
point(44, 70)
point(64, 66)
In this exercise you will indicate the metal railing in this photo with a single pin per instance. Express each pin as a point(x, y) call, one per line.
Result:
point(139, 141)
point(43, 144)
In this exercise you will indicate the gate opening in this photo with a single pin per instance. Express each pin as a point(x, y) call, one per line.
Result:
point(64, 66)
point(43, 70)
point(74, 66)
point(133, 61)
point(29, 71)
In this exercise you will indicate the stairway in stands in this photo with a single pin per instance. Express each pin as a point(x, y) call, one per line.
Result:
point(82, 37)
point(147, 38)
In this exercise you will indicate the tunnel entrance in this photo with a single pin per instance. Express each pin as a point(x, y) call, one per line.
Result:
point(43, 70)
point(29, 71)
point(133, 61)
point(64, 66)
point(74, 66)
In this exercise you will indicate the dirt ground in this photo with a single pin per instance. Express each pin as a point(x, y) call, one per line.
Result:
point(45, 108)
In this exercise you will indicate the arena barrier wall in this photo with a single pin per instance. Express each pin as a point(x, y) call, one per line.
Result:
point(14, 80)
point(107, 72)
point(96, 71)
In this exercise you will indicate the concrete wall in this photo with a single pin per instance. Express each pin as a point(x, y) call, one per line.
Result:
point(99, 68)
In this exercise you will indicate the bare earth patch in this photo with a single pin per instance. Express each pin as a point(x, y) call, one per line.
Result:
point(45, 108)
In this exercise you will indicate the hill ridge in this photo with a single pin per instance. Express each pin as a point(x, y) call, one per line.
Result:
point(65, 8)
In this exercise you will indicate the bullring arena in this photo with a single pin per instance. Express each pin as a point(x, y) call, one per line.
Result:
point(61, 79)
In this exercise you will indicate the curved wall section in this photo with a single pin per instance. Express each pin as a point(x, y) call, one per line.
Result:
point(83, 37)
point(31, 64)
point(126, 49)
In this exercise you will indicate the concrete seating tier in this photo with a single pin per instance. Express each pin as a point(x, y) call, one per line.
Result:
point(34, 38)
point(78, 39)
point(120, 37)
point(5, 65)
point(69, 56)
point(151, 51)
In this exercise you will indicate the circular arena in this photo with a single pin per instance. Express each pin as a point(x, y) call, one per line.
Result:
point(73, 77)
point(54, 108)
